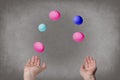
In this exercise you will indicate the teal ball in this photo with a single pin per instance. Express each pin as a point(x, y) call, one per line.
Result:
point(42, 27)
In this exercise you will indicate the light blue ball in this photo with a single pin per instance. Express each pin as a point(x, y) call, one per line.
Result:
point(42, 27)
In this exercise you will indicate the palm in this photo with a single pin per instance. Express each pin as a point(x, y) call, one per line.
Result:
point(90, 70)
point(32, 69)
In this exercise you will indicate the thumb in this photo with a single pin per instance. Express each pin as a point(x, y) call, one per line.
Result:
point(44, 66)
point(82, 67)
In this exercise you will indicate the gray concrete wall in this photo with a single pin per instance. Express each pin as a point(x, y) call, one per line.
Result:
point(18, 31)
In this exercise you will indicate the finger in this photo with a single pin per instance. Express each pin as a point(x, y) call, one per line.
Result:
point(89, 65)
point(94, 62)
point(36, 58)
point(86, 60)
point(91, 61)
point(86, 65)
point(28, 62)
point(38, 63)
point(39, 60)
point(92, 58)
point(44, 66)
point(32, 60)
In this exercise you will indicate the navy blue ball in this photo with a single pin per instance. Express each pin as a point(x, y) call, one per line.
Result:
point(78, 20)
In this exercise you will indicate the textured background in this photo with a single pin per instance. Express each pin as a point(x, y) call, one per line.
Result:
point(18, 31)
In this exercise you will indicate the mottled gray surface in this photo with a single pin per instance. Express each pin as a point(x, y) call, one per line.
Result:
point(18, 31)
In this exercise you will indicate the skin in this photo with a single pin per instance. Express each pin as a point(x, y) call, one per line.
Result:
point(33, 67)
point(88, 69)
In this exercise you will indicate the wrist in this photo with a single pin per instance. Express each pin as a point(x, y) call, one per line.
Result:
point(90, 77)
point(29, 77)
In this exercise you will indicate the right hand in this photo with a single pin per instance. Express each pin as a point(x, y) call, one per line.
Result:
point(89, 67)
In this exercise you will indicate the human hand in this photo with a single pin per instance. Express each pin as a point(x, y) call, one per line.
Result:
point(88, 69)
point(33, 68)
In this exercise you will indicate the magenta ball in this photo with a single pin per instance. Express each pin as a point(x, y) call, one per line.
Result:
point(78, 36)
point(39, 47)
point(54, 15)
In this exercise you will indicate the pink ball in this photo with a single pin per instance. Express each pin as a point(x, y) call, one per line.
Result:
point(54, 15)
point(78, 36)
point(38, 47)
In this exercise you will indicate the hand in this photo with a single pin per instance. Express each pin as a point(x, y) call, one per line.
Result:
point(33, 68)
point(89, 67)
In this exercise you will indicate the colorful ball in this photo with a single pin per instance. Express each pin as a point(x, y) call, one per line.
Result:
point(54, 15)
point(78, 20)
point(78, 36)
point(39, 47)
point(42, 27)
